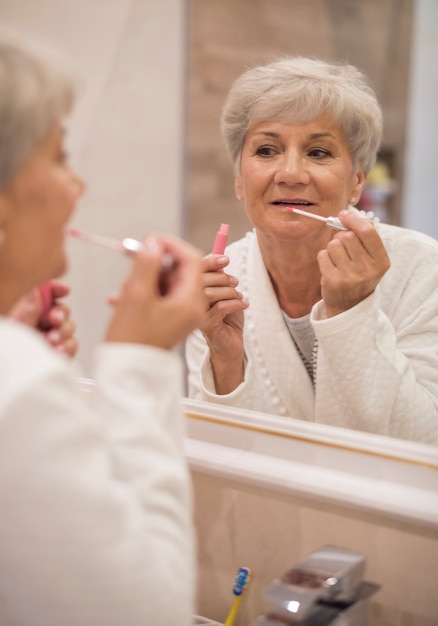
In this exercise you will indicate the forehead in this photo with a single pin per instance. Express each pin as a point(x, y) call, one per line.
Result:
point(321, 127)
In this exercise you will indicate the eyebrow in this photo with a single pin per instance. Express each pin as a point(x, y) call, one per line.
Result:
point(322, 135)
point(312, 136)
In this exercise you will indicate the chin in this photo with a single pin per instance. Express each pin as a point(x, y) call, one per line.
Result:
point(60, 269)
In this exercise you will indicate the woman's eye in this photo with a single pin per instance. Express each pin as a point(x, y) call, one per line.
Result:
point(319, 153)
point(265, 151)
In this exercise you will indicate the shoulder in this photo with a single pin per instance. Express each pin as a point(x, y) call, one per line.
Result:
point(398, 239)
point(25, 357)
point(15, 336)
point(241, 243)
point(414, 263)
point(238, 250)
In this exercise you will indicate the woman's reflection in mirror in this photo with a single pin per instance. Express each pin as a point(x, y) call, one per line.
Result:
point(332, 326)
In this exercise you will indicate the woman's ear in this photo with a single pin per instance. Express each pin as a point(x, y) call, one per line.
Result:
point(238, 187)
point(357, 186)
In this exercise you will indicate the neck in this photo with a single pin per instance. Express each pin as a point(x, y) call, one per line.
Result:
point(295, 276)
point(10, 294)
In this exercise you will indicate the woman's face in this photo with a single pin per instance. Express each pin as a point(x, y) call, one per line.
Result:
point(34, 210)
point(308, 166)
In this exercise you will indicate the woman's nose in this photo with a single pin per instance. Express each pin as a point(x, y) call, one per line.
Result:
point(292, 169)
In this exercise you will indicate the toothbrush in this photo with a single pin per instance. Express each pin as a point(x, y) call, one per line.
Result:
point(221, 239)
point(332, 222)
point(241, 583)
point(127, 245)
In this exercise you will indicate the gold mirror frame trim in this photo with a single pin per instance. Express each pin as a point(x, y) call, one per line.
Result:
point(394, 478)
point(431, 464)
point(388, 477)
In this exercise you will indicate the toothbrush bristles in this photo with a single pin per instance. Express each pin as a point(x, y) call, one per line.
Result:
point(241, 581)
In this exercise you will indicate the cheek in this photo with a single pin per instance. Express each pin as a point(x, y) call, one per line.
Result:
point(340, 184)
point(62, 194)
point(254, 180)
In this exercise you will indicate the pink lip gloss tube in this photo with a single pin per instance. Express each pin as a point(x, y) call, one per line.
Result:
point(220, 242)
point(47, 299)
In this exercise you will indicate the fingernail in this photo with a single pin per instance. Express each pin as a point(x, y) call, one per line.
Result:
point(151, 243)
point(59, 315)
point(343, 213)
point(54, 336)
point(222, 260)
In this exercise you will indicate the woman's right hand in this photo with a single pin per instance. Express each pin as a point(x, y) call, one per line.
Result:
point(222, 324)
point(155, 307)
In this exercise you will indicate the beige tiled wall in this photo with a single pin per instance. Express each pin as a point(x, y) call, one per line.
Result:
point(268, 532)
point(226, 36)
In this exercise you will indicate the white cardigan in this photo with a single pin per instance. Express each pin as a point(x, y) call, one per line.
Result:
point(377, 363)
point(95, 498)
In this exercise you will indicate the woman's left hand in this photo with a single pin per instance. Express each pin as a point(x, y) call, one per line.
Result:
point(55, 324)
point(352, 265)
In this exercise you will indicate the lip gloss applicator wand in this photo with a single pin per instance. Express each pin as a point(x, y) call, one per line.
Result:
point(332, 222)
point(127, 245)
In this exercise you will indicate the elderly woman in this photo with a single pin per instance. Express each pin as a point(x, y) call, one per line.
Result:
point(95, 497)
point(337, 327)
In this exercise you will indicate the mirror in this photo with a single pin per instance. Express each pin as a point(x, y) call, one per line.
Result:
point(128, 133)
point(387, 40)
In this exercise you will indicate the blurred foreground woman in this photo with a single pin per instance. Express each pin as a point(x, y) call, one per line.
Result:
point(95, 498)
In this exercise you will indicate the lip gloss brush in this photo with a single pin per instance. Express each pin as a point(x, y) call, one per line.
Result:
point(332, 222)
point(127, 245)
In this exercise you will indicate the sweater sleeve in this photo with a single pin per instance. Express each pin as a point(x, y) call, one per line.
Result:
point(96, 503)
point(374, 377)
point(201, 380)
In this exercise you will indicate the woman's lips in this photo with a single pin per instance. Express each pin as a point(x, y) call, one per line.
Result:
point(290, 204)
point(302, 203)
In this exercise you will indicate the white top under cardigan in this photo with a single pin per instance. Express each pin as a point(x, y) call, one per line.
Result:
point(377, 363)
point(95, 499)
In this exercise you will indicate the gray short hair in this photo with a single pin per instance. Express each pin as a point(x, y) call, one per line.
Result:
point(37, 89)
point(299, 89)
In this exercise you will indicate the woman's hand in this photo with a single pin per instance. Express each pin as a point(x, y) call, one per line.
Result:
point(222, 324)
point(155, 307)
point(352, 265)
point(53, 320)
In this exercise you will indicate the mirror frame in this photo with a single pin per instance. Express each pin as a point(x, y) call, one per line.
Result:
point(368, 473)
point(361, 471)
